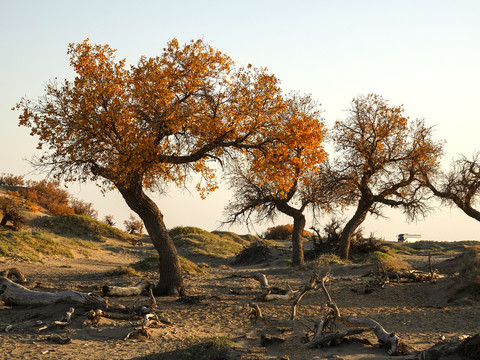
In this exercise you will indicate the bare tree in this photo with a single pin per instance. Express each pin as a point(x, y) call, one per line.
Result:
point(460, 185)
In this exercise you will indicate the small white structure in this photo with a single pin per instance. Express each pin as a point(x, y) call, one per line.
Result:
point(409, 237)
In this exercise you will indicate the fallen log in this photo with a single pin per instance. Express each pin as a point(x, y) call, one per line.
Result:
point(413, 275)
point(16, 294)
point(127, 290)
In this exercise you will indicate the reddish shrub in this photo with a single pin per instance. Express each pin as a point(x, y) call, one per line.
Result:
point(282, 232)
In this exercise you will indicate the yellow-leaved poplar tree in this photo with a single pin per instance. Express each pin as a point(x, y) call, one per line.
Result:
point(156, 123)
point(283, 176)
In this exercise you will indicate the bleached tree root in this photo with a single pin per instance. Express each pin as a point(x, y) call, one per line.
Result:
point(67, 319)
point(15, 294)
point(270, 294)
point(394, 345)
point(127, 290)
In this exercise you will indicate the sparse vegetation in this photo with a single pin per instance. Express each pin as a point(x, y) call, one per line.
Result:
point(108, 219)
point(81, 207)
point(150, 263)
point(12, 180)
point(216, 347)
point(124, 271)
point(196, 241)
point(84, 227)
point(11, 207)
point(31, 245)
point(255, 253)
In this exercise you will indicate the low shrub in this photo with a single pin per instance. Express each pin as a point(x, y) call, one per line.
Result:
point(199, 242)
point(255, 253)
point(150, 263)
point(216, 347)
point(84, 227)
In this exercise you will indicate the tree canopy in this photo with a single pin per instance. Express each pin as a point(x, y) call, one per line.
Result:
point(380, 161)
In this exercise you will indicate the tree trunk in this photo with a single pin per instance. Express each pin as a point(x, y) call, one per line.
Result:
point(297, 240)
point(352, 225)
point(171, 280)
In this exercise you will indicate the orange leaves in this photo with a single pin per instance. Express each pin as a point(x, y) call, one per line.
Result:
point(160, 120)
point(297, 150)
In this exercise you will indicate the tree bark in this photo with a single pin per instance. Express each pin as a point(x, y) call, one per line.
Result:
point(171, 279)
point(351, 226)
point(297, 240)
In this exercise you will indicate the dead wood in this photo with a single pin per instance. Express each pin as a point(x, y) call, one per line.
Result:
point(413, 275)
point(314, 280)
point(58, 339)
point(332, 338)
point(394, 345)
point(95, 315)
point(15, 294)
point(269, 293)
point(256, 315)
point(389, 340)
point(14, 272)
point(127, 290)
point(67, 319)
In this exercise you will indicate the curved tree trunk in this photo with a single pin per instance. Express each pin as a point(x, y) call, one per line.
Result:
point(350, 227)
point(171, 280)
point(297, 240)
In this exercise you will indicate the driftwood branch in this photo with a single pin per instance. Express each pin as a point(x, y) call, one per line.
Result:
point(328, 339)
point(127, 290)
point(270, 294)
point(67, 319)
point(314, 280)
point(15, 294)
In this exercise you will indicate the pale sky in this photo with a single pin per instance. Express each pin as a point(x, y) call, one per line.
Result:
point(423, 54)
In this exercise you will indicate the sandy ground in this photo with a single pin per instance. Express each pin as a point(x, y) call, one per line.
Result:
point(419, 313)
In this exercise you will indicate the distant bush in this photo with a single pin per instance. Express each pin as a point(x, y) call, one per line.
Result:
point(151, 264)
point(49, 195)
point(11, 180)
point(196, 241)
point(255, 253)
point(81, 207)
point(108, 219)
point(84, 227)
point(12, 206)
point(283, 232)
point(133, 225)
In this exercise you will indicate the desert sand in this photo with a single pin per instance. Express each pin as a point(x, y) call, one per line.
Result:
point(419, 313)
